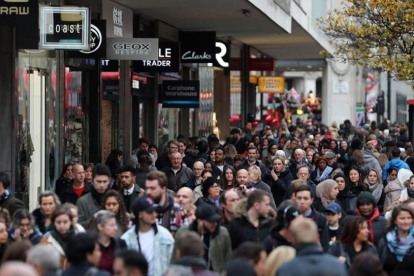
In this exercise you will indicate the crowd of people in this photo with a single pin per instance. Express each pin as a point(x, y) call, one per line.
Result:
point(303, 200)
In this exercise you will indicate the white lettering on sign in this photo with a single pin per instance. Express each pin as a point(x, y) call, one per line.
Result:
point(192, 55)
point(15, 10)
point(163, 63)
point(167, 53)
point(117, 17)
point(135, 84)
point(118, 31)
point(64, 28)
point(223, 52)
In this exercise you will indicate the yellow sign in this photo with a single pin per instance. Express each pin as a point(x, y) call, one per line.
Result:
point(235, 84)
point(271, 85)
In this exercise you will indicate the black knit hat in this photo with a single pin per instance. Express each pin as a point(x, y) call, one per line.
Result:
point(366, 197)
point(207, 184)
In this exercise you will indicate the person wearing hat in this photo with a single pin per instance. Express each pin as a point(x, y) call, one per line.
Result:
point(367, 208)
point(154, 241)
point(332, 160)
point(333, 213)
point(280, 235)
point(394, 162)
point(216, 238)
point(211, 193)
point(393, 190)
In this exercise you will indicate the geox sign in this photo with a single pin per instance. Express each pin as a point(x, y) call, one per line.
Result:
point(132, 48)
point(19, 12)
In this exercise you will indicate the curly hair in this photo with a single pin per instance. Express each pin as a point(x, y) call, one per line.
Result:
point(122, 213)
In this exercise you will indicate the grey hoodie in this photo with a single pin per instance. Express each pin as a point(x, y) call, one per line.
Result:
point(371, 161)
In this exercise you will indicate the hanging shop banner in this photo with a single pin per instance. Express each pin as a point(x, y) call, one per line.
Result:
point(198, 47)
point(271, 85)
point(97, 42)
point(132, 48)
point(222, 58)
point(181, 94)
point(118, 19)
point(168, 60)
point(19, 12)
point(66, 28)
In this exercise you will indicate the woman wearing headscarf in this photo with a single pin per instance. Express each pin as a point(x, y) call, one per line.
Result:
point(326, 192)
point(376, 188)
point(345, 198)
point(408, 192)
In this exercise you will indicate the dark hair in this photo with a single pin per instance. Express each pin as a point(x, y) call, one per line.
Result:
point(321, 158)
point(223, 182)
point(133, 259)
point(101, 169)
point(202, 146)
point(5, 217)
point(112, 161)
point(207, 171)
point(235, 130)
point(254, 197)
point(302, 188)
point(190, 244)
point(127, 168)
point(239, 157)
point(143, 140)
point(390, 170)
point(153, 146)
point(65, 167)
point(395, 212)
point(80, 245)
point(145, 161)
point(122, 214)
point(61, 210)
point(395, 152)
point(88, 165)
point(23, 214)
point(366, 264)
point(250, 251)
point(252, 148)
point(360, 183)
point(4, 178)
point(160, 176)
point(17, 251)
point(351, 230)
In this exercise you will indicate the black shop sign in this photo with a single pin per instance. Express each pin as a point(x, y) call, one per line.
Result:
point(180, 94)
point(19, 12)
point(168, 60)
point(97, 42)
point(198, 47)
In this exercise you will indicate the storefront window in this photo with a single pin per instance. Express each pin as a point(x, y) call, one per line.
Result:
point(38, 124)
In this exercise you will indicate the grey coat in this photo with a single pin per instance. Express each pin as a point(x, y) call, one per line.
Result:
point(87, 207)
point(175, 181)
point(371, 161)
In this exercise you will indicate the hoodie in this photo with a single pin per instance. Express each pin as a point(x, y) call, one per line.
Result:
point(376, 225)
point(397, 163)
point(371, 161)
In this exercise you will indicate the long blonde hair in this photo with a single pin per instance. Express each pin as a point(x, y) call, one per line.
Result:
point(277, 257)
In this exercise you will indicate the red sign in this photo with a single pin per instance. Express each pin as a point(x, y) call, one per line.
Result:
point(370, 83)
point(254, 64)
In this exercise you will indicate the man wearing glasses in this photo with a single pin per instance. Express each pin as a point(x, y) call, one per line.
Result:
point(164, 160)
point(176, 173)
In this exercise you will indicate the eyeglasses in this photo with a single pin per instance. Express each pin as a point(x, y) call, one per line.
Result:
point(195, 169)
point(215, 187)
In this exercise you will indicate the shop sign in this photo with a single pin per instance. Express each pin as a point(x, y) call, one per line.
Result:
point(181, 94)
point(132, 48)
point(65, 28)
point(97, 42)
point(222, 55)
point(118, 19)
point(271, 85)
point(235, 84)
point(110, 65)
point(198, 47)
point(254, 64)
point(168, 60)
point(340, 87)
point(19, 12)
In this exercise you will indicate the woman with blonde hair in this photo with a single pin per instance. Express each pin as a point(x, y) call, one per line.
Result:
point(255, 177)
point(277, 257)
point(281, 179)
point(376, 188)
point(382, 160)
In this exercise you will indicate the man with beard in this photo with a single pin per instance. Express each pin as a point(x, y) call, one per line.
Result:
point(90, 203)
point(216, 239)
point(220, 158)
point(130, 191)
point(168, 212)
point(184, 197)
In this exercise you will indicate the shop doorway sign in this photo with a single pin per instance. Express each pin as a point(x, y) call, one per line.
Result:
point(19, 12)
point(66, 28)
point(198, 47)
point(272, 85)
point(97, 42)
point(132, 48)
point(168, 60)
point(179, 94)
point(118, 19)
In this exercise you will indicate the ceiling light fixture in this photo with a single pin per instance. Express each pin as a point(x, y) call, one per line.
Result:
point(246, 12)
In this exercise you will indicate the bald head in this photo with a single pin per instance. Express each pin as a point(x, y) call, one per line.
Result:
point(198, 168)
point(184, 196)
point(242, 177)
point(78, 174)
point(17, 269)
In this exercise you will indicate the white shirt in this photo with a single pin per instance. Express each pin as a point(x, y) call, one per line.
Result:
point(147, 242)
point(221, 167)
point(130, 191)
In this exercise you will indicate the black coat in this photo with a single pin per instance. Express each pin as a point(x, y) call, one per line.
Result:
point(280, 186)
point(68, 195)
point(12, 204)
point(141, 177)
point(137, 193)
point(61, 185)
point(389, 261)
point(320, 220)
point(241, 230)
point(274, 239)
point(337, 249)
point(347, 200)
point(84, 268)
point(40, 221)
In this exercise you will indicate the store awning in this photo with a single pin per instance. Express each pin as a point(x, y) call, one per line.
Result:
point(287, 40)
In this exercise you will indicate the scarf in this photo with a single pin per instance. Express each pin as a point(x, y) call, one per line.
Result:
point(398, 247)
point(376, 190)
point(323, 191)
point(369, 221)
point(5, 196)
point(324, 175)
point(410, 191)
point(214, 201)
point(97, 196)
point(63, 239)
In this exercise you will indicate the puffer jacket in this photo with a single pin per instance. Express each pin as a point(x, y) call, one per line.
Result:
point(396, 162)
point(392, 193)
point(241, 229)
point(371, 161)
point(220, 245)
point(163, 247)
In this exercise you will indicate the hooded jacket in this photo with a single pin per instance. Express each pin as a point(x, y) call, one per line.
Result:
point(371, 161)
point(376, 225)
point(397, 163)
point(392, 192)
point(241, 229)
point(220, 245)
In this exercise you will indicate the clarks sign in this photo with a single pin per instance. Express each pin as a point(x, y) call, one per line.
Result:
point(132, 48)
point(198, 47)
point(19, 12)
